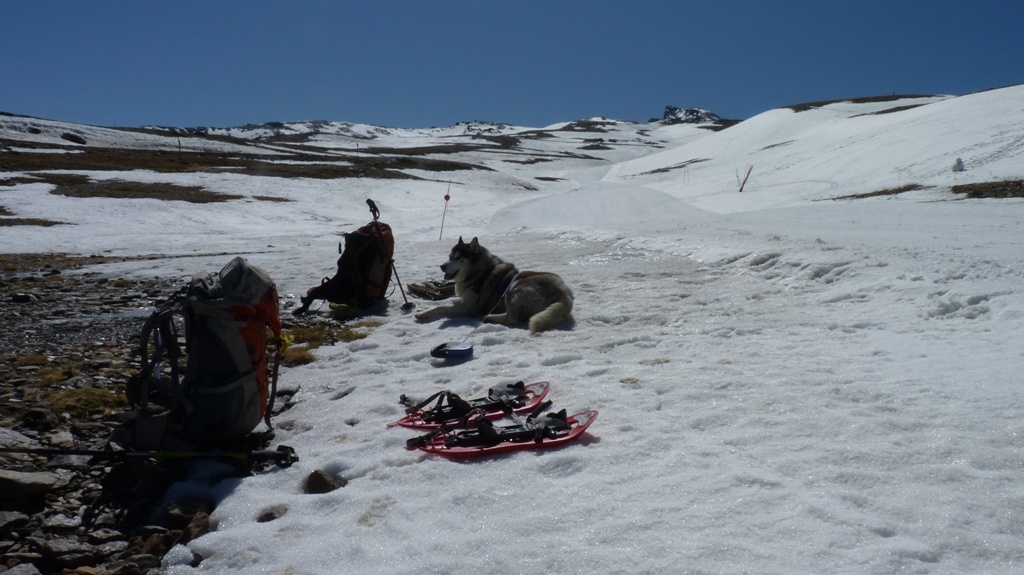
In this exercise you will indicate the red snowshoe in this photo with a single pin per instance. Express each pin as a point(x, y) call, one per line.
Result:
point(482, 437)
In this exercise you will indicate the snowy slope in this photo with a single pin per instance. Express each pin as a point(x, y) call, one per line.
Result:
point(854, 149)
point(787, 383)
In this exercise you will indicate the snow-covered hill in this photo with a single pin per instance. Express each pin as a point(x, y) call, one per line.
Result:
point(818, 374)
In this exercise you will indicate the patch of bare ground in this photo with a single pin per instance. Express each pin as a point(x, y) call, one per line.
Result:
point(302, 164)
point(122, 189)
point(48, 262)
point(1000, 189)
point(885, 192)
point(891, 110)
point(530, 161)
point(720, 125)
point(678, 166)
point(536, 134)
point(6, 222)
point(18, 180)
point(863, 100)
point(504, 141)
point(79, 186)
point(585, 126)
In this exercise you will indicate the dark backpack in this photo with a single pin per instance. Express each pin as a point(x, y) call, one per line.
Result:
point(364, 268)
point(226, 385)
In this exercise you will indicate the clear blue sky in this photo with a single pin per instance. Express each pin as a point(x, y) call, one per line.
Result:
point(406, 63)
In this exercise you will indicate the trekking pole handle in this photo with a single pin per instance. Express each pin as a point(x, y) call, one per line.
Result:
point(283, 456)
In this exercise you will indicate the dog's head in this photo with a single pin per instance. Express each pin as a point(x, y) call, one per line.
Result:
point(461, 258)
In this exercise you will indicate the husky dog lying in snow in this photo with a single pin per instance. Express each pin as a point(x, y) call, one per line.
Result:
point(495, 290)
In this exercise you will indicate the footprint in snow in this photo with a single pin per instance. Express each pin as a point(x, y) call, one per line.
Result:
point(564, 466)
point(560, 359)
point(378, 510)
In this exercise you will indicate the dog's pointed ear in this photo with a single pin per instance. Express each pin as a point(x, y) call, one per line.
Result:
point(460, 241)
point(475, 244)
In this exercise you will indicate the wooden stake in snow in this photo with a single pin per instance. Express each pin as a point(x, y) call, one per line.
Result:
point(750, 168)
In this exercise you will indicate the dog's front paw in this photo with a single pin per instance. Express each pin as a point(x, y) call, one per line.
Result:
point(425, 315)
point(498, 318)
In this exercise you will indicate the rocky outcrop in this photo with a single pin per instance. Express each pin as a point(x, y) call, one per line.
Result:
point(674, 115)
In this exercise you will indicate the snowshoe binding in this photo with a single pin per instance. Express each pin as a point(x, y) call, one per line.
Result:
point(445, 408)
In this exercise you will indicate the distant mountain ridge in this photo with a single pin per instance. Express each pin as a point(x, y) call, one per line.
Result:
point(304, 129)
point(675, 115)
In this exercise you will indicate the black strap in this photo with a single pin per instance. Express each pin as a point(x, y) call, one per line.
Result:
point(449, 406)
point(508, 396)
point(484, 434)
point(159, 327)
point(273, 387)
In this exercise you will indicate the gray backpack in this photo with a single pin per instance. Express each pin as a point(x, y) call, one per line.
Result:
point(206, 378)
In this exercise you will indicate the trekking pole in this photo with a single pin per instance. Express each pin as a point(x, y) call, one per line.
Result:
point(283, 456)
point(408, 305)
point(283, 342)
point(373, 209)
point(447, 196)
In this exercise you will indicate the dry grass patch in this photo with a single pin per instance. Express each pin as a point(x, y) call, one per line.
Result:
point(320, 171)
point(62, 179)
point(678, 166)
point(50, 376)
point(1000, 189)
point(11, 182)
point(891, 110)
point(311, 336)
point(885, 192)
point(863, 100)
point(585, 126)
point(27, 222)
point(529, 161)
point(307, 338)
point(122, 189)
point(303, 164)
point(350, 334)
point(294, 356)
point(32, 359)
point(85, 402)
point(48, 262)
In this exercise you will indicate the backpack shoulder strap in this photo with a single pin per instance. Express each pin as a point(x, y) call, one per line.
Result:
point(160, 334)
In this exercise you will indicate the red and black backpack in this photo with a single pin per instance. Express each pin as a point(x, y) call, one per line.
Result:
point(364, 268)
